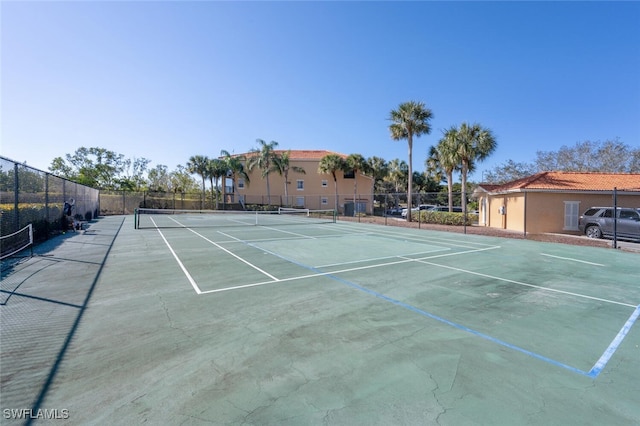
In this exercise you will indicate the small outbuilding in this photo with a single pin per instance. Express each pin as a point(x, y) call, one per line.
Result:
point(551, 202)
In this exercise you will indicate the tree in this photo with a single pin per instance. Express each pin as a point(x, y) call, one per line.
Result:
point(409, 120)
point(473, 143)
point(610, 156)
point(134, 174)
point(357, 164)
point(398, 173)
point(139, 169)
point(443, 160)
point(235, 166)
point(215, 170)
point(197, 164)
point(95, 167)
point(509, 171)
point(158, 178)
point(332, 164)
point(379, 169)
point(425, 183)
point(181, 180)
point(60, 168)
point(263, 158)
point(283, 166)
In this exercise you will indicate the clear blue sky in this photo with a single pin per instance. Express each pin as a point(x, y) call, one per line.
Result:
point(168, 80)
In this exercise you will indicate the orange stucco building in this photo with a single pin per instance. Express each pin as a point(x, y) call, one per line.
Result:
point(312, 190)
point(551, 202)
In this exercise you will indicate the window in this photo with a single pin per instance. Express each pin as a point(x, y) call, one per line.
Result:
point(571, 214)
point(240, 183)
point(325, 183)
point(628, 214)
point(300, 184)
point(300, 201)
point(324, 201)
point(591, 212)
point(349, 175)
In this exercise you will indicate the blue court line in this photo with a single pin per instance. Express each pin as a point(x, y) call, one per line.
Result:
point(593, 373)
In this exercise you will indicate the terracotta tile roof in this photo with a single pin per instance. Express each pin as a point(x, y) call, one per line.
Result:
point(308, 154)
point(571, 181)
point(301, 154)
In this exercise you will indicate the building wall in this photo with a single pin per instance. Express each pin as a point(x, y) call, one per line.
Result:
point(318, 190)
point(545, 211)
point(513, 217)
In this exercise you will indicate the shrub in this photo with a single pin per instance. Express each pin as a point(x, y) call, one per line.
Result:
point(444, 218)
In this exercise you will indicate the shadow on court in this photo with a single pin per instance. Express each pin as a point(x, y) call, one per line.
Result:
point(43, 301)
point(340, 323)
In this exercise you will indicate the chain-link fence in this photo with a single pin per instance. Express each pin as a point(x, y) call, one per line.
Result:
point(125, 202)
point(29, 195)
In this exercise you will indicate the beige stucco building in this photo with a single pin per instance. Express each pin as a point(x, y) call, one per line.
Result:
point(551, 202)
point(311, 190)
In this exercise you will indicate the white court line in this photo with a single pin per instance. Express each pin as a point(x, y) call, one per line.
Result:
point(584, 296)
point(267, 240)
point(184, 269)
point(360, 268)
point(289, 232)
point(428, 237)
point(573, 260)
point(225, 250)
point(382, 258)
point(234, 255)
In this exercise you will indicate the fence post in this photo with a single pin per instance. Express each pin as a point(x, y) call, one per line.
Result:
point(615, 217)
point(46, 198)
point(384, 208)
point(16, 198)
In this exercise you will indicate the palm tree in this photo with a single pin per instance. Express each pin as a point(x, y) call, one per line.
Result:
point(198, 164)
point(262, 158)
point(235, 166)
point(473, 143)
point(216, 169)
point(397, 173)
point(332, 164)
point(409, 120)
point(283, 166)
point(379, 169)
point(443, 161)
point(356, 163)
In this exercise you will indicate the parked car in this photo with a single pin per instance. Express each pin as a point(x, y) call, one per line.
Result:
point(417, 209)
point(445, 209)
point(598, 222)
point(394, 211)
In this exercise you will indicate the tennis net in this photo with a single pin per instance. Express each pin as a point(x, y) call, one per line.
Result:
point(14, 243)
point(172, 218)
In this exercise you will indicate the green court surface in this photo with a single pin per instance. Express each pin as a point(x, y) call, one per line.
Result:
point(318, 323)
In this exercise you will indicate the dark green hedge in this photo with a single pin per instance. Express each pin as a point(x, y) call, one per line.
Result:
point(445, 218)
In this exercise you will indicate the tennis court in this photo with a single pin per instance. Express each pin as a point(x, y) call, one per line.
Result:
point(191, 320)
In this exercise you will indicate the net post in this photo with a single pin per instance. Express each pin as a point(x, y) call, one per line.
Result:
point(135, 218)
